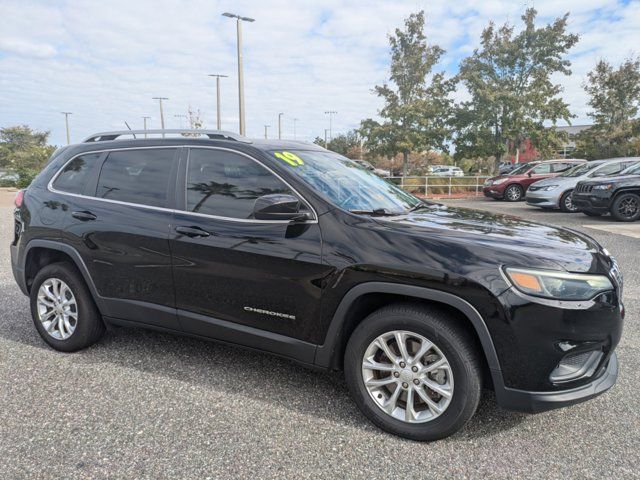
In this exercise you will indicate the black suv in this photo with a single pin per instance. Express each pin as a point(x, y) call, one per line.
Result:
point(619, 195)
point(288, 248)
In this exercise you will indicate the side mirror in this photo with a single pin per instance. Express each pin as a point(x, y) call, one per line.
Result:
point(529, 174)
point(278, 206)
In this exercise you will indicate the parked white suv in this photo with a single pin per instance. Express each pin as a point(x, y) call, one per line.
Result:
point(448, 171)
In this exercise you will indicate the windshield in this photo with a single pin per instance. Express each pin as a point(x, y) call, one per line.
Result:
point(579, 170)
point(346, 184)
point(521, 169)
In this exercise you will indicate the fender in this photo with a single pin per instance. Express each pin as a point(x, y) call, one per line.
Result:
point(325, 353)
point(77, 260)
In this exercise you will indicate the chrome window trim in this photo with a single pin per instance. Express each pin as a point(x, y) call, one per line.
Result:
point(51, 189)
point(250, 220)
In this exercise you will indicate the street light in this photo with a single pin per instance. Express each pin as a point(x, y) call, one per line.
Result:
point(161, 112)
point(331, 113)
point(218, 77)
point(265, 131)
point(66, 121)
point(326, 145)
point(144, 119)
point(280, 126)
point(239, 20)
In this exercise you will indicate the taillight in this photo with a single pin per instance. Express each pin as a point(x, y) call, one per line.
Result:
point(19, 198)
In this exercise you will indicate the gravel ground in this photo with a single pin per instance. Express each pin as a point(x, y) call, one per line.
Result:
point(146, 405)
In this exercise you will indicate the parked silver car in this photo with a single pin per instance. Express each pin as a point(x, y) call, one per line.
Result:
point(556, 192)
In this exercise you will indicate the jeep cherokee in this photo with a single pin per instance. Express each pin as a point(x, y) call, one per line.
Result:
point(289, 248)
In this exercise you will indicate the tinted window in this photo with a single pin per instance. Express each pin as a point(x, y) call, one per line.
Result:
point(542, 168)
point(226, 184)
point(137, 176)
point(75, 174)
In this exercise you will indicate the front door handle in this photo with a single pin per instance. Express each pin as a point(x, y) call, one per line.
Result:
point(193, 231)
point(84, 215)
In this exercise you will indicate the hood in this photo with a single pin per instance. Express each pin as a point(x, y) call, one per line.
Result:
point(616, 179)
point(566, 248)
point(556, 181)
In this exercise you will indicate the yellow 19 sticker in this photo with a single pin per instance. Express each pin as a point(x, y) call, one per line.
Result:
point(290, 158)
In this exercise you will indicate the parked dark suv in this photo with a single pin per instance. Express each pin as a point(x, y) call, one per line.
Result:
point(619, 195)
point(288, 248)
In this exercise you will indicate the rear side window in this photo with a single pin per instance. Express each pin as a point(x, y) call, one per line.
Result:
point(226, 184)
point(74, 176)
point(542, 168)
point(610, 169)
point(137, 176)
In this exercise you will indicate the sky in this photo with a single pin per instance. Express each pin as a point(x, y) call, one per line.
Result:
point(105, 60)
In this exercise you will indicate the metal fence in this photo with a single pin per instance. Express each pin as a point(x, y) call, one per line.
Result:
point(432, 185)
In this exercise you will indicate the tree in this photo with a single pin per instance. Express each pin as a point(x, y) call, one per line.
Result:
point(24, 151)
point(614, 96)
point(347, 144)
point(417, 103)
point(509, 79)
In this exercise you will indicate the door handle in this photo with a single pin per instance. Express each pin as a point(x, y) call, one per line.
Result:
point(193, 231)
point(84, 215)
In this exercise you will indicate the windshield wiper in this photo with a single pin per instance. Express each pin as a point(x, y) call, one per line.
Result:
point(419, 206)
point(379, 212)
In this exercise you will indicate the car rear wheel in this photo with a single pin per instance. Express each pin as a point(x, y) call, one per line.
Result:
point(413, 372)
point(63, 310)
point(626, 207)
point(514, 193)
point(566, 203)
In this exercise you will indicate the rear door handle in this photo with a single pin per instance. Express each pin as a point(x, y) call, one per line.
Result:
point(84, 215)
point(192, 231)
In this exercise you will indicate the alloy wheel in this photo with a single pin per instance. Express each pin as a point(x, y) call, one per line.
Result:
point(628, 207)
point(514, 193)
point(568, 204)
point(407, 376)
point(57, 308)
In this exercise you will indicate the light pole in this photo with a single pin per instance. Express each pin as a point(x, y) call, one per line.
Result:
point(326, 145)
point(331, 113)
point(265, 130)
point(66, 121)
point(180, 117)
point(144, 119)
point(161, 112)
point(239, 20)
point(295, 120)
point(280, 126)
point(218, 77)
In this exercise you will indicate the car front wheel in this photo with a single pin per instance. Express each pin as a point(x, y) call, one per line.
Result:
point(514, 193)
point(413, 372)
point(566, 203)
point(626, 207)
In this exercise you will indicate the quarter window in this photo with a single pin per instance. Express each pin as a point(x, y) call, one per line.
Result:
point(74, 176)
point(137, 176)
point(226, 184)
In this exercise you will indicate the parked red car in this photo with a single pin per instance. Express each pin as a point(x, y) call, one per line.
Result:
point(513, 185)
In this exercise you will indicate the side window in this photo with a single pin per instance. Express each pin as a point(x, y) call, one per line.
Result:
point(137, 176)
point(226, 184)
point(542, 168)
point(74, 176)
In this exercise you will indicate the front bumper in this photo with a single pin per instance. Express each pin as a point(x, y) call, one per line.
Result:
point(542, 198)
point(590, 202)
point(493, 192)
point(533, 402)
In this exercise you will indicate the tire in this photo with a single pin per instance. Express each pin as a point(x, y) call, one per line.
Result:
point(589, 213)
point(513, 193)
point(626, 207)
point(450, 341)
point(88, 326)
point(566, 205)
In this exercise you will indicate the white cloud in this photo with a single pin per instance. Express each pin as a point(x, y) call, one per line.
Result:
point(104, 60)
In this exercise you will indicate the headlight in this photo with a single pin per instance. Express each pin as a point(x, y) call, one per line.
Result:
point(499, 181)
point(604, 186)
point(546, 188)
point(487, 183)
point(558, 285)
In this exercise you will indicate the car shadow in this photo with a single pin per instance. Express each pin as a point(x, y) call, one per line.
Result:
point(242, 373)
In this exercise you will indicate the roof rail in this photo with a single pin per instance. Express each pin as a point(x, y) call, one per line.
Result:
point(212, 134)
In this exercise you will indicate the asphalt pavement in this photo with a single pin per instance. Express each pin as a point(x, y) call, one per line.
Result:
point(141, 404)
